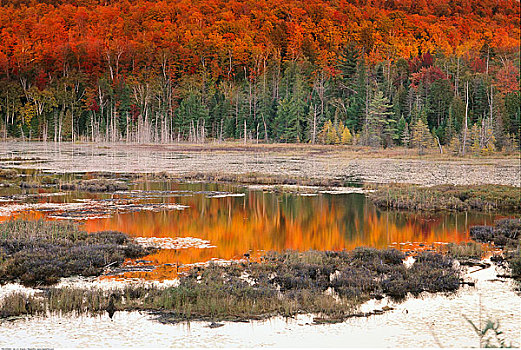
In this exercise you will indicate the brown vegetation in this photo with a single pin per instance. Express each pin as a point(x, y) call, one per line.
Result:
point(39, 252)
point(329, 284)
point(447, 197)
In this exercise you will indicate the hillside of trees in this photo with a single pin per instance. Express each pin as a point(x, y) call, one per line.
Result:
point(417, 73)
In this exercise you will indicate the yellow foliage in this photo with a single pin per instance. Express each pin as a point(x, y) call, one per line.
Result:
point(347, 138)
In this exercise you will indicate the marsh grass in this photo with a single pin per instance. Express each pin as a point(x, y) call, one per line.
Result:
point(8, 174)
point(95, 185)
point(87, 185)
point(41, 252)
point(253, 178)
point(469, 250)
point(329, 284)
point(505, 233)
point(447, 197)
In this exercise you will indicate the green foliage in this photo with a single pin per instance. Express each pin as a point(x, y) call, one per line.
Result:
point(380, 126)
point(165, 96)
point(490, 336)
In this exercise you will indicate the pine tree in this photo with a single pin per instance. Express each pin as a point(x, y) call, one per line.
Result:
point(455, 145)
point(332, 135)
point(339, 129)
point(474, 139)
point(347, 64)
point(328, 134)
point(400, 127)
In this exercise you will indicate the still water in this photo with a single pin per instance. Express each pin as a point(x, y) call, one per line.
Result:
point(198, 222)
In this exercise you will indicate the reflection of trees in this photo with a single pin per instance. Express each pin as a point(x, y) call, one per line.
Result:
point(265, 221)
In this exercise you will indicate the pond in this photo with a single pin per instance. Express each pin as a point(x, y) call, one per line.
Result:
point(198, 222)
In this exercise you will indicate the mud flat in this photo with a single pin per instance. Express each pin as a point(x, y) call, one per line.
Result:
point(290, 161)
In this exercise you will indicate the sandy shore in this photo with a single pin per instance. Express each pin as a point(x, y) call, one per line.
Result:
point(293, 161)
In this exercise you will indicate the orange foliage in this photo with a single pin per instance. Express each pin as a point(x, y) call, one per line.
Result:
point(230, 34)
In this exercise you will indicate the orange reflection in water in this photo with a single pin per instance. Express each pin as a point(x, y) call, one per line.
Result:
point(263, 222)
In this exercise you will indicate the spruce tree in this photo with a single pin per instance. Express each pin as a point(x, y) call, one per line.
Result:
point(380, 125)
point(400, 128)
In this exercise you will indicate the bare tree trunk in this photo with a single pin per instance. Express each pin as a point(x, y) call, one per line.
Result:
point(60, 126)
point(265, 129)
point(55, 127)
point(314, 135)
point(466, 117)
point(439, 144)
point(44, 132)
point(127, 129)
point(72, 124)
point(491, 102)
point(92, 126)
point(221, 133)
point(245, 131)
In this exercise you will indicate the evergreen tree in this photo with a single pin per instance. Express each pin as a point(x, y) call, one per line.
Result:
point(400, 129)
point(347, 64)
point(455, 145)
point(475, 147)
point(328, 134)
point(380, 124)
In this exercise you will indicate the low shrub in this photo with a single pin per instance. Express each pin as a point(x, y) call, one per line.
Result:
point(39, 252)
point(329, 284)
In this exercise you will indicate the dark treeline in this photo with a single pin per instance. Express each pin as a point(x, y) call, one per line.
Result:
point(81, 81)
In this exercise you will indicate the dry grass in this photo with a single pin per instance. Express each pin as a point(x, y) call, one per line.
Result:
point(329, 284)
point(447, 197)
point(342, 151)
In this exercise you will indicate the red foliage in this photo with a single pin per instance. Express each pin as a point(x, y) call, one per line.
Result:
point(41, 80)
point(94, 106)
point(427, 76)
point(508, 78)
point(479, 66)
point(57, 36)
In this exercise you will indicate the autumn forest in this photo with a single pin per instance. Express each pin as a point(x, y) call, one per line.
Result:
point(379, 73)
